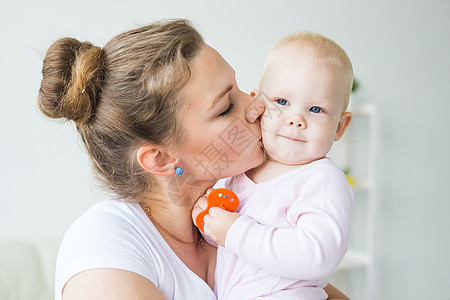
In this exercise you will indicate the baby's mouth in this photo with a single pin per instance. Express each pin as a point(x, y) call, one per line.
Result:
point(292, 138)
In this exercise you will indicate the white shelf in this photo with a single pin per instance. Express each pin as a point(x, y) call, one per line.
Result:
point(363, 184)
point(354, 259)
point(357, 152)
point(366, 109)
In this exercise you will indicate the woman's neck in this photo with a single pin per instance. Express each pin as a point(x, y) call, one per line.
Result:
point(171, 205)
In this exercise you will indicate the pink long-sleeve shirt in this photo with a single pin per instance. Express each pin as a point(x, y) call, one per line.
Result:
point(291, 235)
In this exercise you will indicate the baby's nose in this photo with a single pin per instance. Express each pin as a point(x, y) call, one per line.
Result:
point(296, 120)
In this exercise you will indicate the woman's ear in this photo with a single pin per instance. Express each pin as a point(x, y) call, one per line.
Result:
point(344, 121)
point(155, 160)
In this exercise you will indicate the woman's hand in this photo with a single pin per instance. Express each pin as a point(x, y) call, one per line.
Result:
point(334, 294)
point(217, 222)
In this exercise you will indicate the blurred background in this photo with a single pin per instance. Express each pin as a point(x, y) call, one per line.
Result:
point(401, 57)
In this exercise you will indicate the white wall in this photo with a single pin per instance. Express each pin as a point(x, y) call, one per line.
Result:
point(400, 51)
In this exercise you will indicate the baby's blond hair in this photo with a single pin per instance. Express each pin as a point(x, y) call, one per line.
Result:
point(326, 51)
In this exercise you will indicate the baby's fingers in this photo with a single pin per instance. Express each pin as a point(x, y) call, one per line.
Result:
point(199, 206)
point(217, 212)
point(208, 192)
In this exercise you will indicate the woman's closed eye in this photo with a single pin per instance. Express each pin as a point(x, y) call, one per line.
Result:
point(227, 111)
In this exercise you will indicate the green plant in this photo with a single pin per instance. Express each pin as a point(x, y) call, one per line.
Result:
point(355, 85)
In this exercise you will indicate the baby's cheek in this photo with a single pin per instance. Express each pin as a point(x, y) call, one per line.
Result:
point(267, 127)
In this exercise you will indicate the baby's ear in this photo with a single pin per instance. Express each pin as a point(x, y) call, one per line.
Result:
point(344, 121)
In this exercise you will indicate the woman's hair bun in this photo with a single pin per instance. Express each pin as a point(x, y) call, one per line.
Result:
point(72, 73)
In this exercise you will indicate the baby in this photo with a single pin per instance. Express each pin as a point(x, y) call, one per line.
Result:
point(292, 226)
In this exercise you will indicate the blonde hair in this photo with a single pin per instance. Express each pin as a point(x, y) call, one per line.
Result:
point(121, 96)
point(326, 51)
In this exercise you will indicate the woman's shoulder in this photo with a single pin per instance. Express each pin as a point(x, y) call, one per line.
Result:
point(116, 232)
point(113, 208)
point(119, 235)
point(106, 215)
point(109, 235)
point(108, 224)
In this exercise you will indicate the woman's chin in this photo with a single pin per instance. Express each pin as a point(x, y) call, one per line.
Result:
point(260, 155)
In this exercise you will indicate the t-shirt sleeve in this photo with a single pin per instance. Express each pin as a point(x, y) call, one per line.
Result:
point(104, 240)
point(208, 239)
point(311, 249)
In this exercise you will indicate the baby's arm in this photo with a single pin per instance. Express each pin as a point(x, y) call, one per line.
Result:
point(307, 252)
point(312, 249)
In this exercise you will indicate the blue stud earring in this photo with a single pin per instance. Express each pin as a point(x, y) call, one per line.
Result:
point(179, 170)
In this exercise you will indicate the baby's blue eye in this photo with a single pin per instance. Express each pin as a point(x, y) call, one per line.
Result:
point(315, 109)
point(282, 102)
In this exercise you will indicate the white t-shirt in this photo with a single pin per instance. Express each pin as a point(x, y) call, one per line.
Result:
point(119, 235)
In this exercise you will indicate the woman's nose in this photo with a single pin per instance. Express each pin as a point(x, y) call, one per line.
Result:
point(296, 120)
point(254, 110)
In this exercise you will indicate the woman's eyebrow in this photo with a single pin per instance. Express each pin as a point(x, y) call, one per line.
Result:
point(220, 95)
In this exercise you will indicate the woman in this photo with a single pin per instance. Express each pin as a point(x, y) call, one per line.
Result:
point(162, 119)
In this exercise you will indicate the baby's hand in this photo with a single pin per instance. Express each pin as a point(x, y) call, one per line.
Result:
point(200, 205)
point(216, 221)
point(217, 224)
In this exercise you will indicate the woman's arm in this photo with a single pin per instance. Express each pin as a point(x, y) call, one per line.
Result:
point(110, 284)
point(334, 294)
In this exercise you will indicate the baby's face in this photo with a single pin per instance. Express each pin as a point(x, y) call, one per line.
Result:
point(304, 102)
